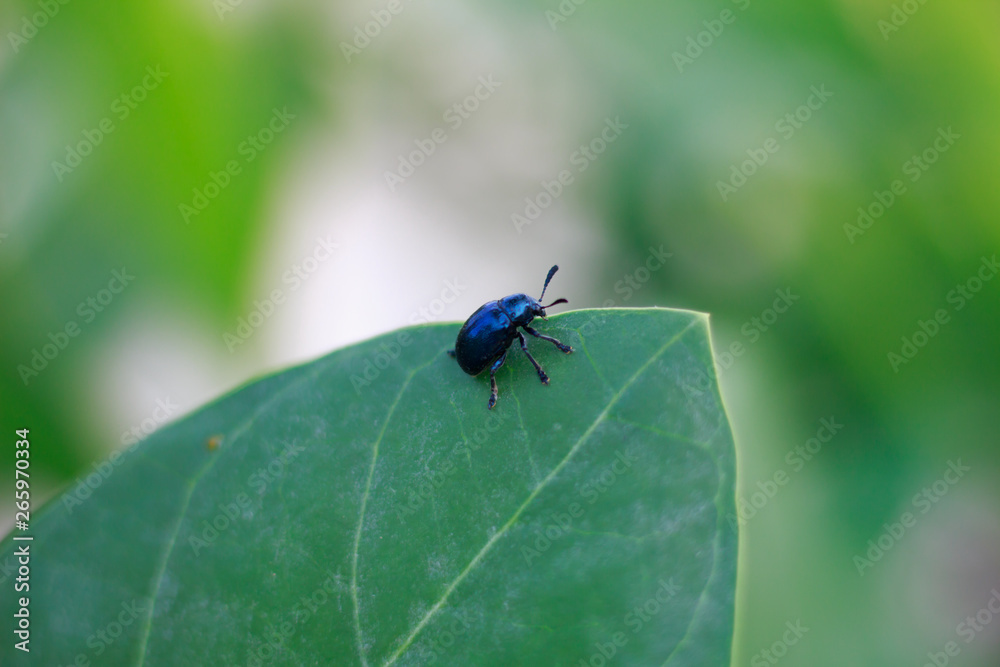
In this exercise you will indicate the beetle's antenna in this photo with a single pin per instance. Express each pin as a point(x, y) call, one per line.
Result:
point(552, 272)
point(556, 302)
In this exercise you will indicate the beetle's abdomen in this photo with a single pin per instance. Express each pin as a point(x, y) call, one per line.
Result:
point(483, 338)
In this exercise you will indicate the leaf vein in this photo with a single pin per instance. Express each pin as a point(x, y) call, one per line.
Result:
point(715, 566)
point(524, 432)
point(189, 494)
point(593, 364)
point(364, 505)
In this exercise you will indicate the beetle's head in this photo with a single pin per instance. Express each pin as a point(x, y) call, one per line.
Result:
point(537, 308)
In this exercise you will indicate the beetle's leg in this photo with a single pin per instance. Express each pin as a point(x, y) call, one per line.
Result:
point(562, 346)
point(451, 353)
point(493, 381)
point(524, 346)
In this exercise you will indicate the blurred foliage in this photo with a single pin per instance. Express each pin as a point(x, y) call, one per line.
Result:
point(123, 199)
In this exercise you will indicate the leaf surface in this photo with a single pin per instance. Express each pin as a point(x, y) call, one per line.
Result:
point(367, 509)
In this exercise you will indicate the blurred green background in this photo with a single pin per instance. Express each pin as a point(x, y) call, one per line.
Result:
point(230, 160)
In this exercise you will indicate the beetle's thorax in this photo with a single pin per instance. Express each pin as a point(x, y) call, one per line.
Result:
point(520, 308)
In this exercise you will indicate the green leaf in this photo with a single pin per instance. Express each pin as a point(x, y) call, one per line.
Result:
point(400, 522)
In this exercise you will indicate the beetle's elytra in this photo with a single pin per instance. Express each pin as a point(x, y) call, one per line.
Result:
point(484, 338)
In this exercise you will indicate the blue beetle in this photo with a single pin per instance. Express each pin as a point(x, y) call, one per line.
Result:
point(484, 338)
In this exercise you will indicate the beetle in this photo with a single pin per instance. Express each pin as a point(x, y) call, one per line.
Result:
point(484, 338)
